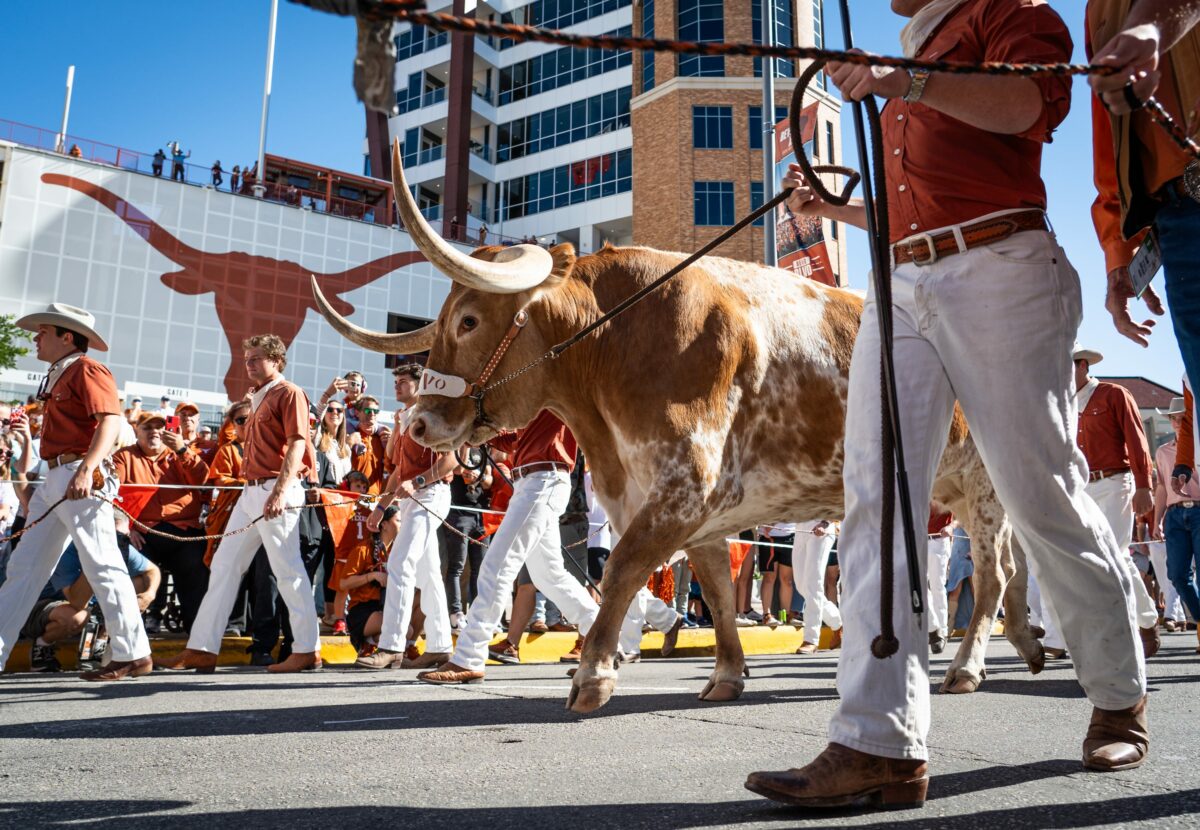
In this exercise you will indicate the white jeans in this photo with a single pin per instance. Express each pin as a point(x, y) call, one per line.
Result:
point(645, 608)
point(938, 568)
point(810, 558)
point(1174, 605)
point(529, 536)
point(280, 537)
point(1114, 497)
point(992, 327)
point(89, 523)
point(416, 562)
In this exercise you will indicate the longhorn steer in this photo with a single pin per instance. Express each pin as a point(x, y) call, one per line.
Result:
point(715, 404)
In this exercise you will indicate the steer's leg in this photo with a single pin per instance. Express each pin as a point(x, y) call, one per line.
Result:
point(711, 564)
point(989, 532)
point(655, 532)
point(1016, 607)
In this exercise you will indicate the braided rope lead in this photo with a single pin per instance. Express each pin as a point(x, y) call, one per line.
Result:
point(412, 11)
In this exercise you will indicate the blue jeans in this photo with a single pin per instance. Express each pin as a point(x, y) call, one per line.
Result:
point(1181, 526)
point(1178, 225)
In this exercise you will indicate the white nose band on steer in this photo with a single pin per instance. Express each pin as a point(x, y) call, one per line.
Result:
point(448, 386)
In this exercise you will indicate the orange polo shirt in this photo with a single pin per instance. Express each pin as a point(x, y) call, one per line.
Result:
point(1110, 434)
point(545, 439)
point(85, 389)
point(363, 559)
point(179, 507)
point(281, 417)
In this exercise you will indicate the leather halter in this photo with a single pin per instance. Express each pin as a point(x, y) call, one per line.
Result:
point(451, 386)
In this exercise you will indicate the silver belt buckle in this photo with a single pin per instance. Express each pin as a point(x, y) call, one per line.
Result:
point(1191, 180)
point(927, 239)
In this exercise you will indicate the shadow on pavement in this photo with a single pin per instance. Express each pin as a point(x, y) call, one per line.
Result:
point(662, 816)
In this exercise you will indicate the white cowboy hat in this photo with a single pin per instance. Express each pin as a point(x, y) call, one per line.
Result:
point(68, 317)
point(1176, 408)
point(1090, 355)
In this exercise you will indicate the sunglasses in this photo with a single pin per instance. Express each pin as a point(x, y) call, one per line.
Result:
point(369, 411)
point(242, 420)
point(336, 410)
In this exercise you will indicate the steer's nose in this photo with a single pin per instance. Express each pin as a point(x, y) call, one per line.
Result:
point(418, 427)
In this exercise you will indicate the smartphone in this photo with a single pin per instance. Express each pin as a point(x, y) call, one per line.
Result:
point(172, 423)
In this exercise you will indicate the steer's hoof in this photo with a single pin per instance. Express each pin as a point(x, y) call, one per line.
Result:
point(722, 691)
point(591, 690)
point(1038, 661)
point(962, 682)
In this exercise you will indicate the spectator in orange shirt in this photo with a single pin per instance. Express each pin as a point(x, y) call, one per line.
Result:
point(225, 470)
point(368, 446)
point(362, 574)
point(161, 457)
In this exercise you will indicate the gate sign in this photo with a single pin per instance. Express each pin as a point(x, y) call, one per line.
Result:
point(799, 240)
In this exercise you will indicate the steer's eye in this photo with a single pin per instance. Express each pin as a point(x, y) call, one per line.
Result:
point(469, 323)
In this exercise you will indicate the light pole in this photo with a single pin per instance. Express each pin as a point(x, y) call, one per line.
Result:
point(768, 131)
point(60, 144)
point(260, 189)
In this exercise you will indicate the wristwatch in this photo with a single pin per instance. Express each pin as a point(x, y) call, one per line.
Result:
point(916, 88)
point(419, 481)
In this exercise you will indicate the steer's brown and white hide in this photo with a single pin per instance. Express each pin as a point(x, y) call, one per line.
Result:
point(715, 404)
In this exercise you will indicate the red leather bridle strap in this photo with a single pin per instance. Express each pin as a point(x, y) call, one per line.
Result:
point(518, 323)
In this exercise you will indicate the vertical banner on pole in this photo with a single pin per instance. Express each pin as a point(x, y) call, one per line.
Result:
point(799, 240)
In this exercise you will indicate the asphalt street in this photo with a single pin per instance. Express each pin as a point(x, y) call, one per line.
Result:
point(348, 748)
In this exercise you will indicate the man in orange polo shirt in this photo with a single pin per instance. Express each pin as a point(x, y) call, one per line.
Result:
point(80, 425)
point(368, 446)
point(278, 453)
point(161, 457)
point(986, 306)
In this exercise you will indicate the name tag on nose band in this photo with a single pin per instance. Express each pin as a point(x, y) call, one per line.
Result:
point(448, 386)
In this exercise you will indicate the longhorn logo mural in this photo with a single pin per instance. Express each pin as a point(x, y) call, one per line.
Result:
point(252, 294)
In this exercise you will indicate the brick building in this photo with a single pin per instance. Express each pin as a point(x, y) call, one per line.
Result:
point(698, 129)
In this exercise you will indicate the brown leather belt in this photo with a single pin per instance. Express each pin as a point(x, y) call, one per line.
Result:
point(254, 482)
point(1182, 504)
point(926, 249)
point(65, 458)
point(539, 467)
point(1099, 475)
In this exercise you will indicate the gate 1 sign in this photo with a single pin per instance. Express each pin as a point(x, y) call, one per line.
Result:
point(799, 240)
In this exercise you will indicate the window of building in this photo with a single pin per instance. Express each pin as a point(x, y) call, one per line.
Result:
point(702, 21)
point(647, 57)
point(572, 122)
point(568, 184)
point(756, 201)
point(403, 324)
point(558, 14)
point(560, 67)
point(829, 156)
point(757, 127)
point(713, 203)
point(417, 40)
point(785, 35)
point(712, 128)
point(819, 36)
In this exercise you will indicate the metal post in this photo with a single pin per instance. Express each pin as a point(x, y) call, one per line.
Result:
point(260, 189)
point(60, 145)
point(768, 131)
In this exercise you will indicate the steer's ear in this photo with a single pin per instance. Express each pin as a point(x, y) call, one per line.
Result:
point(564, 262)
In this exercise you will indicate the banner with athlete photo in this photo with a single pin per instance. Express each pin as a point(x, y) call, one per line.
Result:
point(799, 240)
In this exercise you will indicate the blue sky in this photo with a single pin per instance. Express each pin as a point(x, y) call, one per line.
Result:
point(147, 73)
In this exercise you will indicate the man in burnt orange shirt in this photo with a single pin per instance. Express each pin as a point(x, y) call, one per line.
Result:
point(368, 446)
point(81, 422)
point(986, 307)
point(278, 453)
point(161, 457)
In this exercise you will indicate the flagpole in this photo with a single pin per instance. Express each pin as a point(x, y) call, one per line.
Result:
point(260, 189)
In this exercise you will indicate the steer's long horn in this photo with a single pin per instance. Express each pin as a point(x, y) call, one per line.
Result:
point(409, 342)
point(517, 268)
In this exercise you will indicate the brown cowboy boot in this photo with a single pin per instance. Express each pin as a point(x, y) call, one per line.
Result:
point(835, 642)
point(381, 658)
point(573, 655)
point(202, 662)
point(841, 777)
point(297, 661)
point(807, 648)
point(1151, 640)
point(671, 638)
point(120, 670)
point(449, 674)
point(1117, 740)
point(428, 660)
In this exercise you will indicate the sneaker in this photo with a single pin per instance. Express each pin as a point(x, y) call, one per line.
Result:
point(458, 621)
point(339, 629)
point(43, 659)
point(742, 621)
point(262, 659)
point(505, 652)
point(152, 623)
point(769, 621)
point(688, 622)
point(563, 627)
point(754, 616)
point(538, 627)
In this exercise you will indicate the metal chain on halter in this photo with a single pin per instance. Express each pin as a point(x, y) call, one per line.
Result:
point(412, 11)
